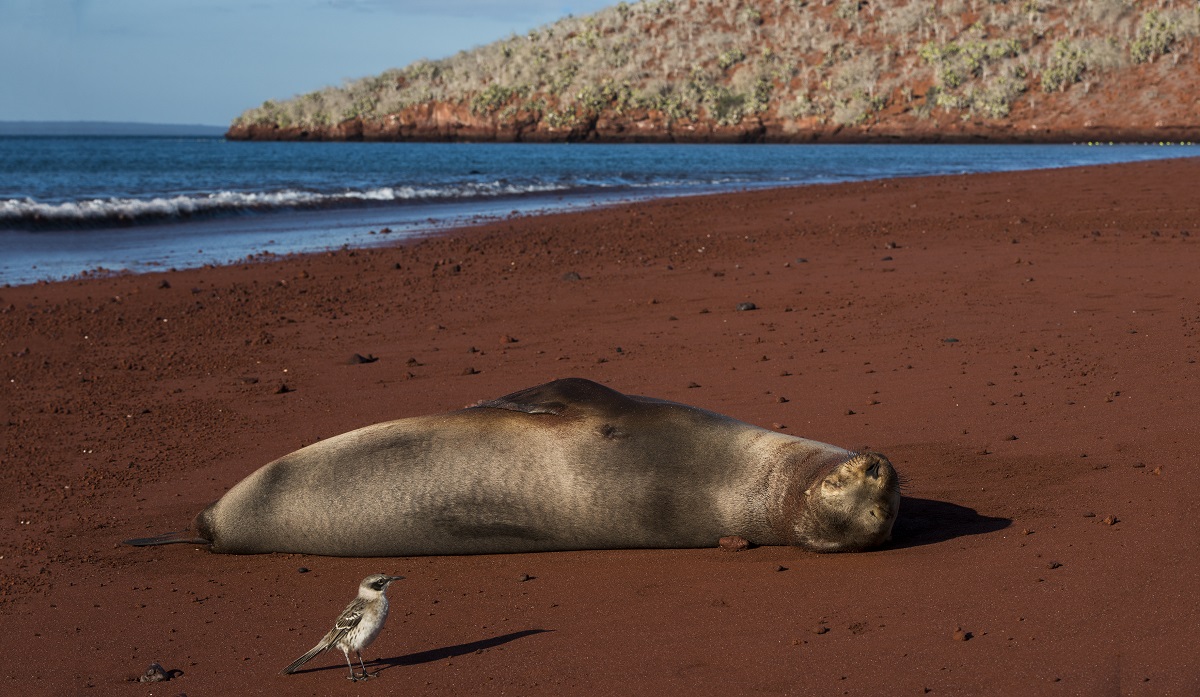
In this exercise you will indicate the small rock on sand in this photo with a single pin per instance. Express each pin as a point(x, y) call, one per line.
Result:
point(734, 543)
point(155, 673)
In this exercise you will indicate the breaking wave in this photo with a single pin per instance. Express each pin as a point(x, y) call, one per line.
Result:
point(104, 212)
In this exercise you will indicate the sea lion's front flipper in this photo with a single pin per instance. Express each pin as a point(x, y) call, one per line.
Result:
point(561, 397)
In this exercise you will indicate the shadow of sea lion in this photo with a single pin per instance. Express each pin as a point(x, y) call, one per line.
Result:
point(926, 522)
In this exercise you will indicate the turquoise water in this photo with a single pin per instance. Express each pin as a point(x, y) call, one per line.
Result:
point(73, 204)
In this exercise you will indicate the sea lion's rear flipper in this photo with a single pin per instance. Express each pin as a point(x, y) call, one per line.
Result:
point(169, 538)
point(562, 396)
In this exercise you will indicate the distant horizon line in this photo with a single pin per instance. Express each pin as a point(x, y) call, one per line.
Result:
point(92, 127)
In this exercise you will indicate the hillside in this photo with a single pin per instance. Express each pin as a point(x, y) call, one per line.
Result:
point(789, 71)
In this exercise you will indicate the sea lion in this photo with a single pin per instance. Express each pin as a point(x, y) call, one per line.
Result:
point(568, 465)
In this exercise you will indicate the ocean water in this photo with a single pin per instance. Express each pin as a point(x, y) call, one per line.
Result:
point(71, 205)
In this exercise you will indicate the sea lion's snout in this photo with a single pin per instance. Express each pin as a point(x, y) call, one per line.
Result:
point(853, 507)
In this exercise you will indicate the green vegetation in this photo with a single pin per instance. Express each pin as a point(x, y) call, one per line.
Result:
point(1154, 37)
point(736, 62)
point(1065, 67)
point(980, 77)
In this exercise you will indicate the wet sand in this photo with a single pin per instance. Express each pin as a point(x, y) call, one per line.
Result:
point(1022, 346)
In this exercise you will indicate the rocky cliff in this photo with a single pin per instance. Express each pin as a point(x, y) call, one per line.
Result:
point(789, 71)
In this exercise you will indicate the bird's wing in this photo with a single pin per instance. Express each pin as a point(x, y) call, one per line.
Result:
point(347, 621)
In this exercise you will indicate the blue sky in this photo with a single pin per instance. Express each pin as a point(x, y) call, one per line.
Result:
point(204, 61)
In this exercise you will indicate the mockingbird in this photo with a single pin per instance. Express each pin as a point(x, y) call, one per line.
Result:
point(357, 626)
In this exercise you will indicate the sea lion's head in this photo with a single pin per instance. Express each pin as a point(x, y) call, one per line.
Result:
point(851, 507)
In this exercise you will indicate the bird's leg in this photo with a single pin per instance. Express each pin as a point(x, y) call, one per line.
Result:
point(353, 677)
point(364, 667)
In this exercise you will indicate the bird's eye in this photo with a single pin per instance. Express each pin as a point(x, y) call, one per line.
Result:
point(831, 484)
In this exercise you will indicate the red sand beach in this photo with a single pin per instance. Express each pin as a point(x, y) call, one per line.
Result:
point(1022, 346)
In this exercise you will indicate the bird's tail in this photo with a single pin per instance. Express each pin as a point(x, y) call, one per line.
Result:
point(295, 666)
point(169, 538)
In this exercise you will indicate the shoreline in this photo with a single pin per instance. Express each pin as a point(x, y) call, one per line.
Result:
point(1023, 346)
point(436, 126)
point(160, 241)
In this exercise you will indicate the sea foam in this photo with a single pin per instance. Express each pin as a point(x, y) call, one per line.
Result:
point(28, 212)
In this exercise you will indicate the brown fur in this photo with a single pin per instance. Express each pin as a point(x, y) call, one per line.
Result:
point(566, 465)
